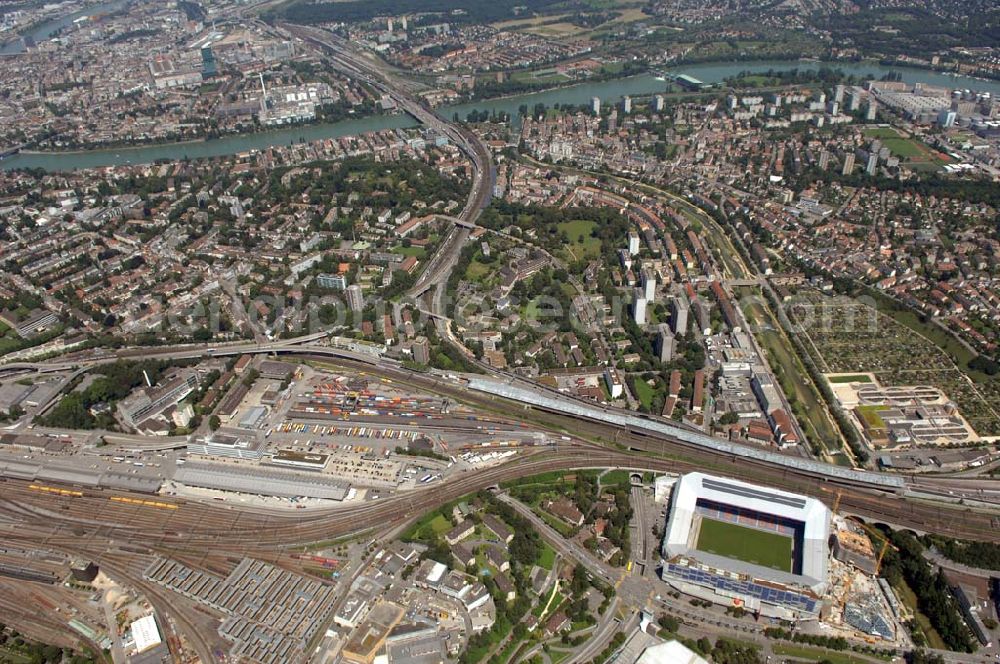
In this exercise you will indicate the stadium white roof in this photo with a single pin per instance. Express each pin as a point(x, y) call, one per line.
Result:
point(812, 513)
point(670, 652)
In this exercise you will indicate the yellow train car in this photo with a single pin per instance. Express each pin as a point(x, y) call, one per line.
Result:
point(56, 490)
point(145, 503)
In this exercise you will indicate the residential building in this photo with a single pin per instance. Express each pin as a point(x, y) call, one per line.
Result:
point(355, 298)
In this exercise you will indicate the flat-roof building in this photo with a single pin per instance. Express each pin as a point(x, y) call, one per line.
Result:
point(253, 418)
point(689, 82)
point(225, 445)
point(151, 401)
point(145, 633)
point(260, 481)
point(370, 636)
point(308, 461)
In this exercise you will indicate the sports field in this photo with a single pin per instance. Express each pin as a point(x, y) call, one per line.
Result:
point(747, 544)
point(917, 154)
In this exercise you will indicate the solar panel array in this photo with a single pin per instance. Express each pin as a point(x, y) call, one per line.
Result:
point(868, 620)
point(742, 587)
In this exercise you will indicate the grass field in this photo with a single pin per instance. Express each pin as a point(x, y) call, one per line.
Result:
point(548, 603)
point(915, 153)
point(9, 343)
point(756, 80)
point(476, 271)
point(547, 558)
point(552, 25)
point(644, 392)
point(747, 544)
point(519, 23)
point(807, 654)
point(418, 252)
point(429, 526)
point(849, 378)
point(440, 525)
point(550, 480)
point(903, 147)
point(872, 417)
point(547, 76)
point(556, 30)
point(616, 477)
point(581, 244)
point(881, 132)
point(560, 25)
point(531, 310)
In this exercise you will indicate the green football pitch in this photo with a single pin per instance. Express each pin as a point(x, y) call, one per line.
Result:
point(747, 544)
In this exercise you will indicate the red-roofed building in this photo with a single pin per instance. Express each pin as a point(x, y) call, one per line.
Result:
point(408, 264)
point(783, 429)
point(698, 394)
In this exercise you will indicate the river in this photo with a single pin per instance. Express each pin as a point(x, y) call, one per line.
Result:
point(46, 29)
point(609, 91)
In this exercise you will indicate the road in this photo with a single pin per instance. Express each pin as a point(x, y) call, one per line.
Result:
point(640, 531)
point(366, 69)
point(210, 536)
point(433, 279)
point(117, 650)
point(607, 627)
point(608, 623)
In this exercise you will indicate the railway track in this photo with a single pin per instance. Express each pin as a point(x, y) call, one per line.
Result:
point(212, 538)
point(124, 535)
point(200, 524)
point(197, 525)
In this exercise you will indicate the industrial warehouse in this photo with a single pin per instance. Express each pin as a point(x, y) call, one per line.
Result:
point(735, 543)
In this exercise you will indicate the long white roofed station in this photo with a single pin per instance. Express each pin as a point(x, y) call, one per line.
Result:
point(568, 406)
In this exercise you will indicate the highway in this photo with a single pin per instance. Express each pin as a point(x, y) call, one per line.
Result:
point(123, 538)
point(433, 278)
point(367, 70)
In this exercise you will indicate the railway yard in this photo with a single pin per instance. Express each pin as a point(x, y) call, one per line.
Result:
point(344, 457)
point(365, 367)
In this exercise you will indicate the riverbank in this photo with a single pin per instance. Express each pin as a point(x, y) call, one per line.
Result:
point(577, 94)
point(43, 29)
point(121, 147)
point(140, 145)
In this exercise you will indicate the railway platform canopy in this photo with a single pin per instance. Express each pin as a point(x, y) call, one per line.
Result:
point(567, 406)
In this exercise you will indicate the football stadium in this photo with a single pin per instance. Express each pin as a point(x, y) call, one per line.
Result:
point(739, 544)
